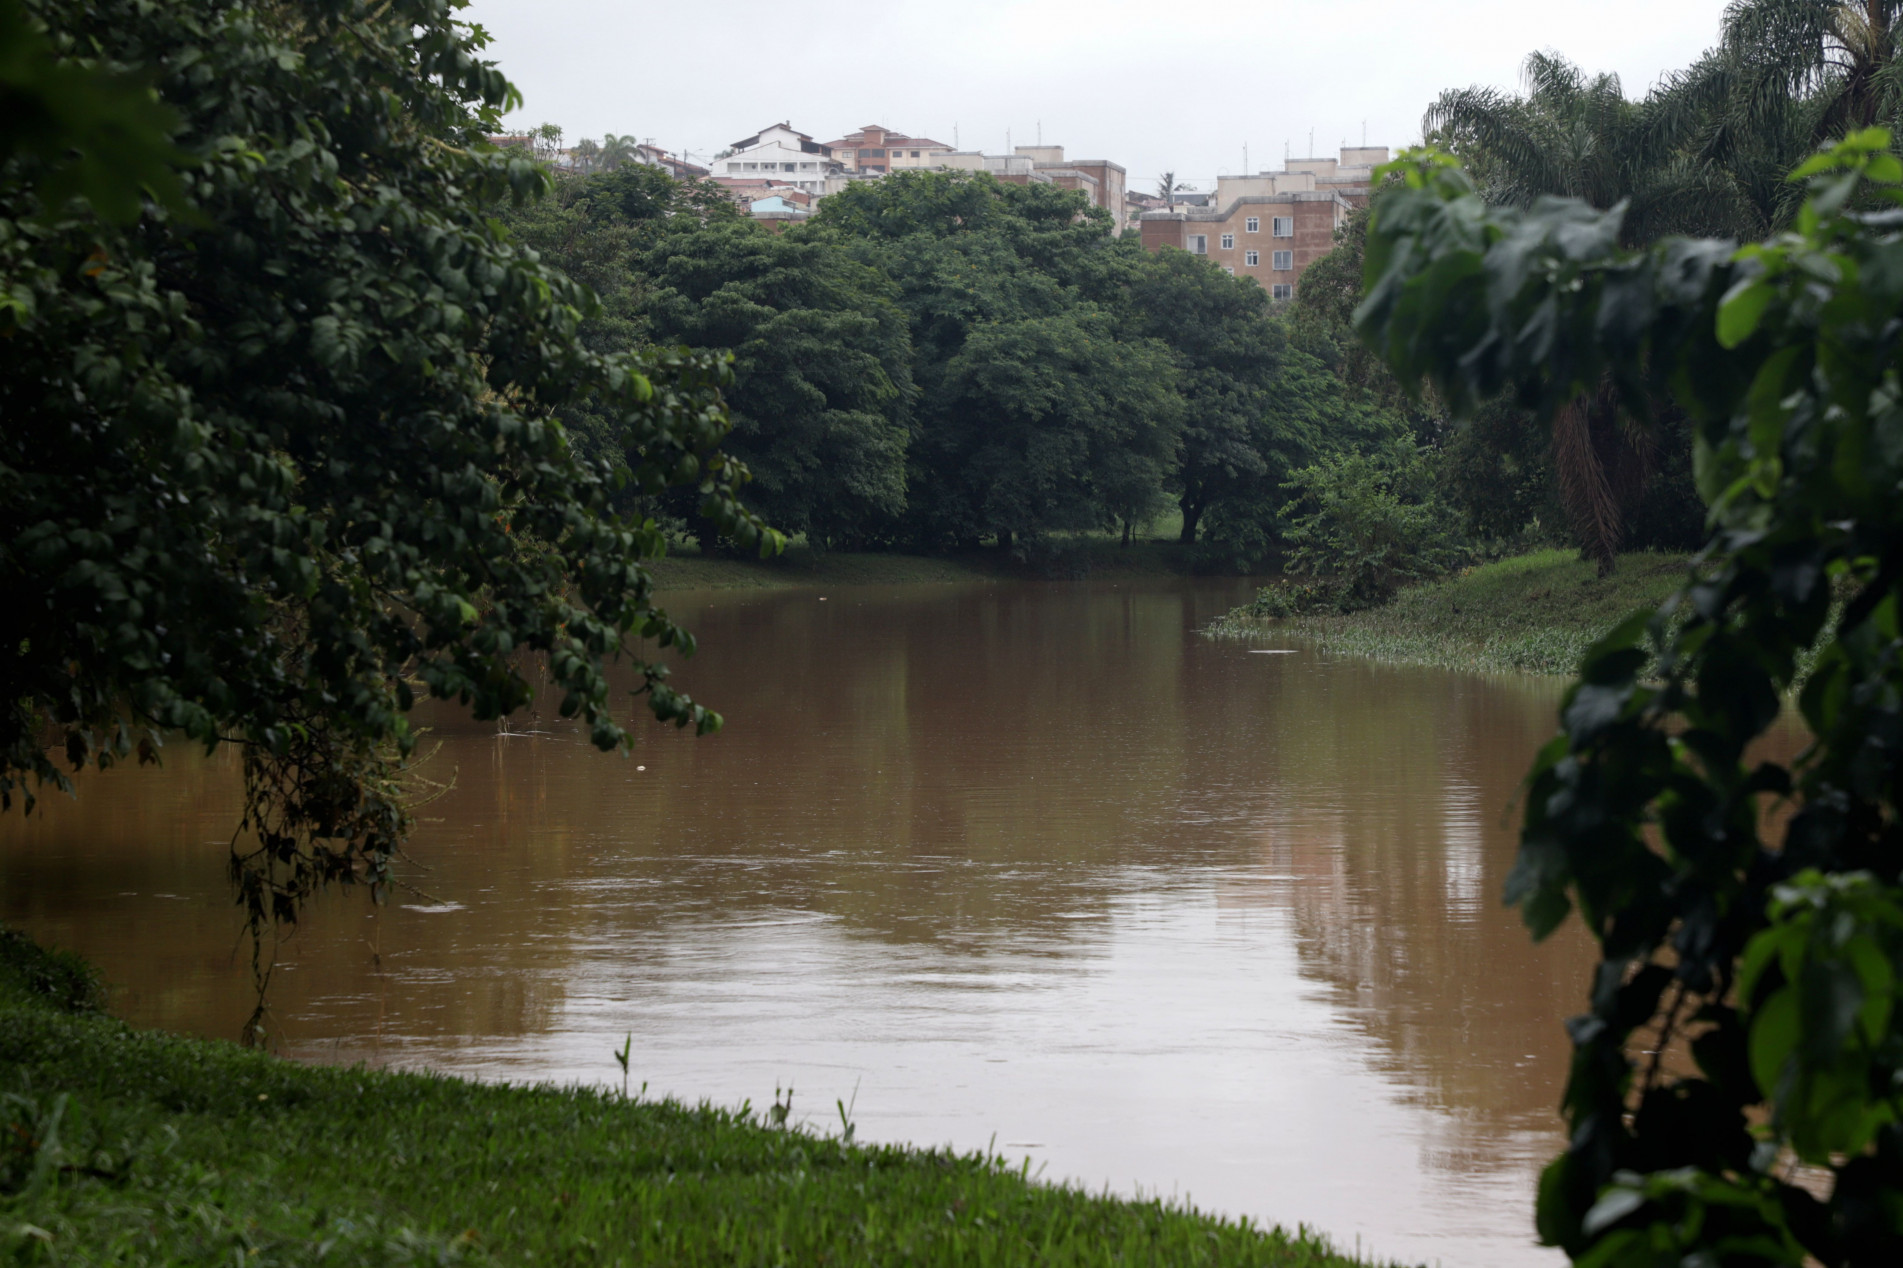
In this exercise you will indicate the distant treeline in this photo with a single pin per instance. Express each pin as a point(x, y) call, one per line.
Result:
point(941, 360)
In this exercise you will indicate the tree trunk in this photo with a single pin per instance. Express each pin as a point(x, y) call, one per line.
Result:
point(1192, 516)
point(1603, 462)
point(1126, 531)
point(1004, 539)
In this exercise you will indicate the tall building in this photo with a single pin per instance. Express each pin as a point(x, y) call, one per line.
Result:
point(1271, 226)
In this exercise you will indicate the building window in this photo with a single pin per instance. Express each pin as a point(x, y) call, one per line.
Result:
point(1228, 241)
point(1253, 225)
point(1283, 227)
point(1281, 290)
point(872, 154)
point(1252, 258)
point(1284, 260)
point(914, 153)
point(1230, 271)
point(789, 167)
point(1198, 244)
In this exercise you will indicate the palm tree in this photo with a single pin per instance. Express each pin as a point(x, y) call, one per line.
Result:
point(1787, 77)
point(1167, 188)
point(1838, 57)
point(587, 154)
point(1577, 136)
point(616, 150)
point(1571, 135)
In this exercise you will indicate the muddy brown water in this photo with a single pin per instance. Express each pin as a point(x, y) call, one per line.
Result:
point(1032, 863)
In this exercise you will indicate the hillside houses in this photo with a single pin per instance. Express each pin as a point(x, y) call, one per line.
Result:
point(1264, 225)
point(782, 154)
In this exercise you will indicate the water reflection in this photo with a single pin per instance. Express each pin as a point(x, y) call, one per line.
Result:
point(1032, 861)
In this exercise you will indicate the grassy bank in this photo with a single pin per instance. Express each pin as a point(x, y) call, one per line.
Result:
point(1534, 613)
point(1083, 556)
point(133, 1147)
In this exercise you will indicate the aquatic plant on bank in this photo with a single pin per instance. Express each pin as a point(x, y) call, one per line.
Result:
point(1536, 613)
point(120, 1146)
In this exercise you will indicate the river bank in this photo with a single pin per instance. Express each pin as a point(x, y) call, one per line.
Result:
point(1535, 613)
point(122, 1145)
point(803, 566)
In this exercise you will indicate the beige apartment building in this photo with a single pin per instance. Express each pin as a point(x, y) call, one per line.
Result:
point(1271, 226)
point(1101, 180)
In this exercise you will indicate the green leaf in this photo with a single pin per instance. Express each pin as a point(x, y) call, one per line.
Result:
point(1741, 310)
point(1775, 1031)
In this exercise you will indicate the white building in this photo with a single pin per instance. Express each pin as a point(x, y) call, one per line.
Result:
point(779, 153)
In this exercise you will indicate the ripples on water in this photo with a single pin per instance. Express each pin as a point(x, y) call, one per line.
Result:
point(1025, 862)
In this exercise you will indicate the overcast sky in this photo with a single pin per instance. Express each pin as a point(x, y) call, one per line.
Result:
point(1152, 85)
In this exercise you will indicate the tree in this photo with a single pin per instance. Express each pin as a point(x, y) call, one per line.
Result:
point(1045, 423)
point(822, 387)
point(276, 464)
point(1366, 524)
point(1167, 188)
point(1834, 56)
point(91, 135)
point(1255, 407)
point(1038, 410)
point(1577, 136)
point(587, 155)
point(545, 142)
point(1751, 907)
point(1572, 136)
point(616, 151)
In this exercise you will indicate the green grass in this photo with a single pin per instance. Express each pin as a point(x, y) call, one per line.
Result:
point(120, 1146)
point(1077, 555)
point(1534, 613)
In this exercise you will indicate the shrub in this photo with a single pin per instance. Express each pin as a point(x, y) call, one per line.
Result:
point(1368, 524)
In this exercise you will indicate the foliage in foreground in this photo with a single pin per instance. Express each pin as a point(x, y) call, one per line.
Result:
point(1537, 613)
point(1744, 1020)
point(280, 458)
point(126, 1147)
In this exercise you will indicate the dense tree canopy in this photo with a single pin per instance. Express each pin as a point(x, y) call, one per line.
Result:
point(1745, 1017)
point(944, 359)
point(822, 388)
point(279, 462)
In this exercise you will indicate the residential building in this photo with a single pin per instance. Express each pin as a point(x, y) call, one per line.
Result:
point(776, 211)
point(875, 150)
point(1272, 225)
point(782, 153)
point(1101, 180)
point(745, 193)
point(1016, 169)
point(675, 166)
point(1351, 175)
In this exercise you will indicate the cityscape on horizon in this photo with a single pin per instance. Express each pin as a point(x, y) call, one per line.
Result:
point(1266, 225)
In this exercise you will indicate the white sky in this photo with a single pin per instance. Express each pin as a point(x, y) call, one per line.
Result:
point(1150, 85)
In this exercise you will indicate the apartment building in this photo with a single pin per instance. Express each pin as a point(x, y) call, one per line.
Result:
point(876, 150)
point(1104, 182)
point(1272, 225)
point(781, 153)
point(1013, 168)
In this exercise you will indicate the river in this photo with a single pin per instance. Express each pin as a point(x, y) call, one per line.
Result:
point(1032, 863)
